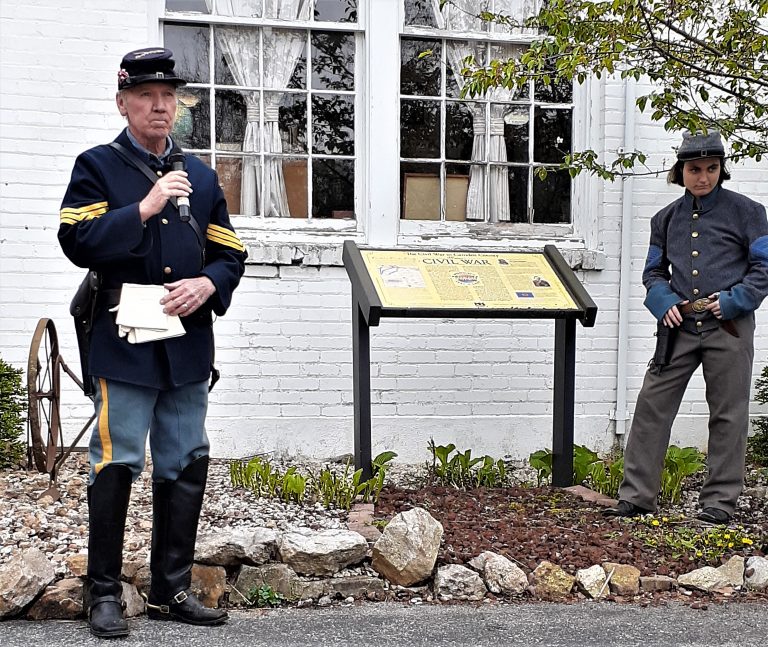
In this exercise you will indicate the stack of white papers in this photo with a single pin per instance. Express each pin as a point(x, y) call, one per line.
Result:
point(140, 316)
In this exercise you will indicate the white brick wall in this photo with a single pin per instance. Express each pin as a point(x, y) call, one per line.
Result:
point(285, 348)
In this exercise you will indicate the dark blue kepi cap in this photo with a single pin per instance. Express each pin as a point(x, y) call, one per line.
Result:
point(151, 64)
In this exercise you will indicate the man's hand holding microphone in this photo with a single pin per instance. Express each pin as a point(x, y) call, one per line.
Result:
point(173, 184)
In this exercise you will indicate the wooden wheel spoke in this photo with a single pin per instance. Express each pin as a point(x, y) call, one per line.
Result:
point(43, 388)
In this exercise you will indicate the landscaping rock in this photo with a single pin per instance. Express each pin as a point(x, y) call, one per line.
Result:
point(407, 550)
point(501, 575)
point(591, 582)
point(551, 582)
point(62, 600)
point(235, 546)
point(624, 579)
point(134, 603)
point(209, 583)
point(756, 573)
point(77, 564)
point(22, 579)
point(656, 583)
point(357, 586)
point(321, 553)
point(707, 578)
point(733, 571)
point(456, 582)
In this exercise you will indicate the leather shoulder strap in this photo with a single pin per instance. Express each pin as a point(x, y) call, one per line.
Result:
point(134, 161)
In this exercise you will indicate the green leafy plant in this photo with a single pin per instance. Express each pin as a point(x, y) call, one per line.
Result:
point(462, 470)
point(678, 464)
point(541, 461)
point(329, 486)
point(604, 475)
point(583, 460)
point(265, 596)
point(709, 545)
point(757, 444)
point(13, 398)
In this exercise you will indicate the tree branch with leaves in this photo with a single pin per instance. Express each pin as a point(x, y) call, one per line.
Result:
point(707, 61)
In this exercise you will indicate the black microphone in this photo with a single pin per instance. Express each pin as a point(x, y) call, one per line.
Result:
point(179, 163)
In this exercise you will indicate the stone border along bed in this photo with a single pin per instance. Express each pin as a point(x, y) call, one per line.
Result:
point(305, 554)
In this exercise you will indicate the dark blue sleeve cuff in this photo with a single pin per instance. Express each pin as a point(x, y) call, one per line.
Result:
point(659, 299)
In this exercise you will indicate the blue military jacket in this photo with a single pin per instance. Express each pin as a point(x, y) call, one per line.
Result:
point(719, 246)
point(100, 228)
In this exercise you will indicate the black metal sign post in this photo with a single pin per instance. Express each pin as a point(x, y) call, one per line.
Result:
point(368, 307)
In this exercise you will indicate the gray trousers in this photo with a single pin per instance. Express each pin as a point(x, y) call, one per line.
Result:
point(727, 366)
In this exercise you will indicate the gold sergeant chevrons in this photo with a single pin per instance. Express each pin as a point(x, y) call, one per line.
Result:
point(71, 215)
point(224, 236)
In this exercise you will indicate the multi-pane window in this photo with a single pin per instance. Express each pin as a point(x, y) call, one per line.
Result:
point(270, 100)
point(475, 159)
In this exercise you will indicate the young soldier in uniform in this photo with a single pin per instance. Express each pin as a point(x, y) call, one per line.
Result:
point(706, 274)
point(116, 221)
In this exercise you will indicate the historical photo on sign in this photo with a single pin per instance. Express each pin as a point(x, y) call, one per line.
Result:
point(436, 279)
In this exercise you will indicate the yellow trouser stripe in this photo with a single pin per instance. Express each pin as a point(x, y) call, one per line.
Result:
point(103, 427)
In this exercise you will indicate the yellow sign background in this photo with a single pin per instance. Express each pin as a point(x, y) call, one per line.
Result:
point(474, 280)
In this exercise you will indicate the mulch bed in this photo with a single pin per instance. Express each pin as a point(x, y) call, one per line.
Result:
point(532, 524)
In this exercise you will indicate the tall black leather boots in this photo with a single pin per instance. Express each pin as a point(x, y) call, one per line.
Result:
point(108, 505)
point(176, 510)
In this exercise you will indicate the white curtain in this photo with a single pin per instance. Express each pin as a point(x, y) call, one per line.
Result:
point(460, 16)
point(282, 50)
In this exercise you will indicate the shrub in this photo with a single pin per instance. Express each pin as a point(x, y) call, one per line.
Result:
point(13, 399)
point(757, 444)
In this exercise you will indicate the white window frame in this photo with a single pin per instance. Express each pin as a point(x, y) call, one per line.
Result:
point(377, 160)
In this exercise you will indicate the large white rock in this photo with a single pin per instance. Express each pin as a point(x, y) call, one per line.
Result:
point(22, 579)
point(756, 574)
point(707, 578)
point(233, 547)
point(321, 553)
point(733, 570)
point(406, 552)
point(456, 582)
point(592, 581)
point(501, 575)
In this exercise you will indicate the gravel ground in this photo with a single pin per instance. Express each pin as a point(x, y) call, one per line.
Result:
point(59, 528)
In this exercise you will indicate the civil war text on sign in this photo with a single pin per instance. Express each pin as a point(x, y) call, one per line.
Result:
point(475, 280)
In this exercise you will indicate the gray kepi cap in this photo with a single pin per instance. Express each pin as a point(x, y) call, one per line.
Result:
point(698, 146)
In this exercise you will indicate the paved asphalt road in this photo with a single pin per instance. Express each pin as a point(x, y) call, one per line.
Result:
point(390, 624)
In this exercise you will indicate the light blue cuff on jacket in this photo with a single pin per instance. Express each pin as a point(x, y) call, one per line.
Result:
point(659, 299)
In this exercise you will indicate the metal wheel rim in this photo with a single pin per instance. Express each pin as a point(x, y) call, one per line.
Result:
point(43, 392)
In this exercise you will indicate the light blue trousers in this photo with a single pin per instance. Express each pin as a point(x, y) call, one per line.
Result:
point(174, 419)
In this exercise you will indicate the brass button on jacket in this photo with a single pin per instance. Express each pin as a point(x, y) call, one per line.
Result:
point(167, 270)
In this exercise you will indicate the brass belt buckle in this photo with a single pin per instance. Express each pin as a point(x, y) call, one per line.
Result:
point(700, 305)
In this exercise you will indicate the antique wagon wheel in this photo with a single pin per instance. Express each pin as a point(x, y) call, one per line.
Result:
point(43, 392)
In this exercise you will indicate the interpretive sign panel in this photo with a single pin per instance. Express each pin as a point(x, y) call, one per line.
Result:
point(468, 284)
point(444, 279)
